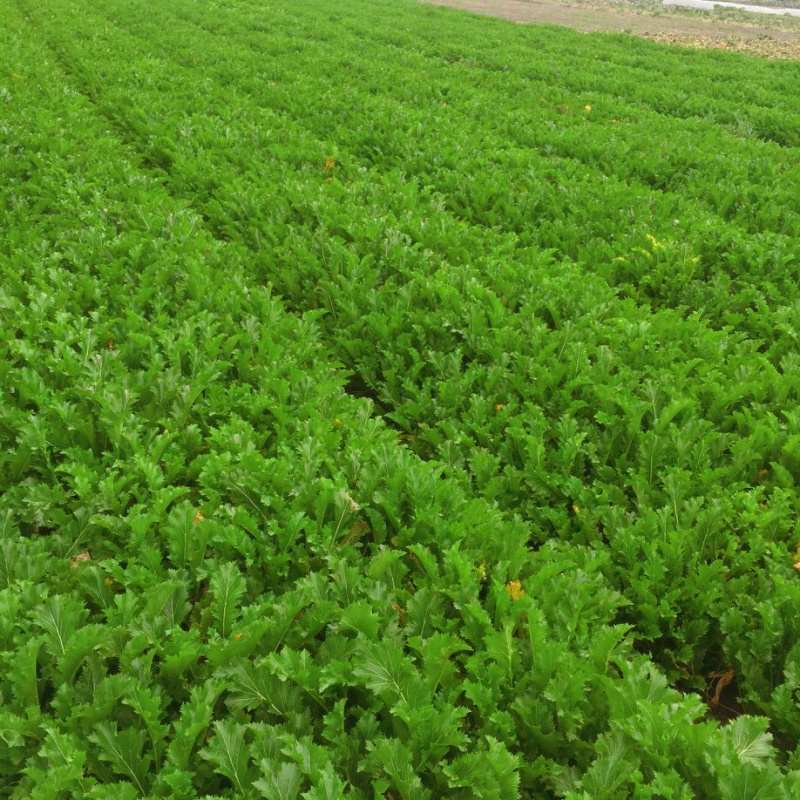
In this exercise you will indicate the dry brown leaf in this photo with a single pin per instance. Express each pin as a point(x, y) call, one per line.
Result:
point(85, 556)
point(723, 679)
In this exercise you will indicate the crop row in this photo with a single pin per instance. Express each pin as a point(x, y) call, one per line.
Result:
point(218, 569)
point(578, 209)
point(221, 576)
point(596, 419)
point(754, 94)
point(697, 154)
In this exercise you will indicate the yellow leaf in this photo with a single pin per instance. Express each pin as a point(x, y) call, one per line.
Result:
point(515, 590)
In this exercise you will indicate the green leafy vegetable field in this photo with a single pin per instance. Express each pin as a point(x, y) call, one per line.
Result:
point(397, 403)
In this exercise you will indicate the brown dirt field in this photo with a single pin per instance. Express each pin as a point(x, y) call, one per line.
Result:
point(671, 28)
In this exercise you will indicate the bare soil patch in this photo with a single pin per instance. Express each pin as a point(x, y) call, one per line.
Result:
point(695, 30)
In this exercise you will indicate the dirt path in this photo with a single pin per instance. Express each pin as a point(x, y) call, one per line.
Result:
point(710, 5)
point(672, 28)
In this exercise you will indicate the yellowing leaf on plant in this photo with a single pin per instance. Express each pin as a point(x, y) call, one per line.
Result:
point(515, 590)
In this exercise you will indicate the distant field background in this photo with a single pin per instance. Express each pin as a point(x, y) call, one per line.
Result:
point(768, 36)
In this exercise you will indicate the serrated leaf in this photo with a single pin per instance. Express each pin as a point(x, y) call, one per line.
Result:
point(383, 667)
point(14, 729)
point(179, 783)
point(65, 762)
point(228, 752)
point(148, 706)
point(81, 642)
point(334, 728)
point(392, 759)
point(52, 782)
point(194, 719)
point(280, 781)
point(609, 770)
point(434, 730)
point(8, 553)
point(123, 749)
point(21, 675)
point(60, 748)
point(58, 617)
point(168, 600)
point(750, 782)
point(251, 686)
point(437, 652)
point(186, 535)
point(489, 775)
point(502, 648)
point(327, 786)
point(228, 588)
point(750, 739)
point(424, 560)
point(310, 758)
point(113, 791)
point(424, 610)
point(360, 617)
point(292, 665)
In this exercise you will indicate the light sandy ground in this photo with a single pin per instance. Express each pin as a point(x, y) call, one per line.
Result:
point(710, 5)
point(766, 36)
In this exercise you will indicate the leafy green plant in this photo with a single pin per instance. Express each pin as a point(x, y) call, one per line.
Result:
point(524, 410)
